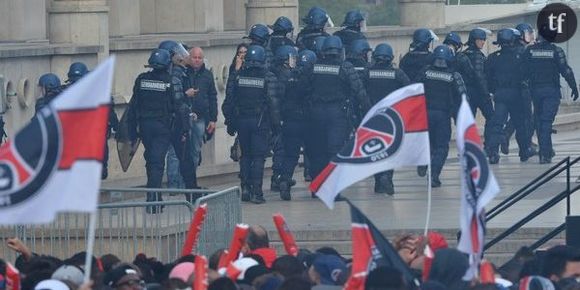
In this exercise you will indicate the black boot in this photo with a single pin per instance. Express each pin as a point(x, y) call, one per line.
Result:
point(422, 170)
point(275, 182)
point(285, 187)
point(246, 192)
point(379, 186)
point(545, 159)
point(493, 158)
point(307, 176)
point(257, 195)
point(435, 182)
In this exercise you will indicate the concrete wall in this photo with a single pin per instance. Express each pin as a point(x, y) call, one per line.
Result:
point(15, 20)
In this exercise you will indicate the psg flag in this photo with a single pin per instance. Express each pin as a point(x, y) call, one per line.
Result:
point(54, 163)
point(370, 249)
point(478, 187)
point(394, 133)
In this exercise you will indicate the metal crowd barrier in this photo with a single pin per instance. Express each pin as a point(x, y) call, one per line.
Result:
point(125, 229)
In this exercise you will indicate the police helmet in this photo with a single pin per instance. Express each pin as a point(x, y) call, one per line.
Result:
point(76, 71)
point(546, 33)
point(505, 37)
point(454, 39)
point(476, 34)
point(284, 52)
point(159, 59)
point(318, 43)
point(383, 52)
point(360, 47)
point(442, 55)
point(526, 32)
point(282, 24)
point(307, 57)
point(422, 37)
point(256, 56)
point(332, 46)
point(353, 18)
point(259, 33)
point(174, 48)
point(49, 81)
point(316, 17)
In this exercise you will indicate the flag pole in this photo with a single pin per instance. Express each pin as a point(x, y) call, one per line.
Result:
point(428, 218)
point(90, 245)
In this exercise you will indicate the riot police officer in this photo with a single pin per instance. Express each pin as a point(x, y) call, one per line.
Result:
point(251, 109)
point(75, 72)
point(544, 62)
point(152, 116)
point(504, 76)
point(417, 58)
point(359, 57)
point(49, 86)
point(306, 58)
point(315, 21)
point(292, 97)
point(419, 54)
point(318, 42)
point(332, 83)
point(443, 89)
point(384, 79)
point(470, 64)
point(354, 24)
point(258, 35)
point(525, 39)
point(281, 33)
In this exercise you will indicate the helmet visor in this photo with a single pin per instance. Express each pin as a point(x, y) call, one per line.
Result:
point(180, 51)
point(329, 22)
point(363, 25)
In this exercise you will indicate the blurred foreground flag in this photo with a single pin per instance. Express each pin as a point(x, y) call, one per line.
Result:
point(393, 134)
point(478, 187)
point(54, 163)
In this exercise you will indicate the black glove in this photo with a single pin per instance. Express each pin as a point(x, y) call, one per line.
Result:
point(574, 93)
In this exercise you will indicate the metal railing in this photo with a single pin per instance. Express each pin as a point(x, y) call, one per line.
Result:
point(548, 175)
point(125, 229)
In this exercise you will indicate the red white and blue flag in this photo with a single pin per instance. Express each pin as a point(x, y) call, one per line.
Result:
point(478, 187)
point(54, 163)
point(394, 133)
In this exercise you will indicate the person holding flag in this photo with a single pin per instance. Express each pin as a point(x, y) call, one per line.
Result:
point(478, 187)
point(383, 79)
point(443, 89)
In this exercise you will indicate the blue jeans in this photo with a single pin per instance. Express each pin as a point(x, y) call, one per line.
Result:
point(174, 179)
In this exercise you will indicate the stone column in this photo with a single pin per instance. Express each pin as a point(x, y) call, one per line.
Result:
point(422, 13)
point(234, 14)
point(267, 11)
point(124, 17)
point(82, 22)
point(22, 20)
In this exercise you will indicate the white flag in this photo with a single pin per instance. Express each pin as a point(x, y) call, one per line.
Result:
point(54, 163)
point(394, 133)
point(478, 187)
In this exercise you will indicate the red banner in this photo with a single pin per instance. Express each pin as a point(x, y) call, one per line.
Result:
point(240, 233)
point(285, 235)
point(194, 230)
point(200, 282)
